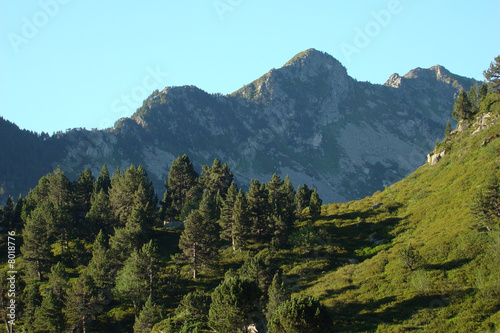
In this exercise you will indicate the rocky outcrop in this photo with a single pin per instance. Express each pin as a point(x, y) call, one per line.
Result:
point(434, 157)
point(308, 119)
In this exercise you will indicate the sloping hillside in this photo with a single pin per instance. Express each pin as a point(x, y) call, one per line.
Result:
point(420, 261)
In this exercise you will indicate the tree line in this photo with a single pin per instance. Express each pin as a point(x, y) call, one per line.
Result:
point(90, 244)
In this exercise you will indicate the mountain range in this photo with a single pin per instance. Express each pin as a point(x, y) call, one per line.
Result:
point(308, 119)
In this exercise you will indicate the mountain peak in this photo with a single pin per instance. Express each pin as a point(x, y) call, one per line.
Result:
point(312, 56)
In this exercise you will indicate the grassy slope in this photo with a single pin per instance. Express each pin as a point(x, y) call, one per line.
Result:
point(455, 286)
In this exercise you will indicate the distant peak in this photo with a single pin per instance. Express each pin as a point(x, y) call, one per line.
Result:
point(311, 56)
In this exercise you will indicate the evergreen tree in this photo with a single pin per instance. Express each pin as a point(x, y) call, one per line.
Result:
point(100, 267)
point(148, 316)
point(49, 317)
point(492, 74)
point(315, 204)
point(257, 270)
point(473, 96)
point(233, 302)
point(226, 220)
point(58, 281)
point(8, 213)
point(103, 182)
point(286, 211)
point(241, 229)
point(181, 179)
point(198, 241)
point(483, 91)
point(36, 249)
point(31, 301)
point(216, 179)
point(100, 215)
point(447, 130)
point(259, 209)
point(463, 107)
point(84, 303)
point(302, 199)
point(194, 306)
point(18, 210)
point(84, 187)
point(167, 212)
point(138, 275)
point(300, 314)
point(277, 295)
point(274, 200)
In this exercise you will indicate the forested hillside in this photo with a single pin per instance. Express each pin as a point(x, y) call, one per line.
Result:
point(106, 253)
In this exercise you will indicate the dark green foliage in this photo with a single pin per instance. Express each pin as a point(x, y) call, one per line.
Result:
point(234, 303)
point(226, 220)
point(315, 204)
point(84, 187)
point(257, 270)
point(31, 301)
point(241, 228)
point(198, 241)
point(483, 91)
point(485, 205)
point(8, 214)
point(182, 178)
point(447, 130)
point(100, 266)
point(100, 216)
point(302, 199)
point(410, 257)
point(84, 302)
point(492, 74)
point(58, 281)
point(278, 294)
point(137, 279)
point(216, 179)
point(463, 109)
point(194, 306)
point(258, 209)
point(148, 316)
point(49, 317)
point(36, 247)
point(299, 315)
point(103, 182)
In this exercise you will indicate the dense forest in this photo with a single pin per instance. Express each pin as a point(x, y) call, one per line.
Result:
point(105, 254)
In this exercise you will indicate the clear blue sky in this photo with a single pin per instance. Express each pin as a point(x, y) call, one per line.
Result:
point(70, 63)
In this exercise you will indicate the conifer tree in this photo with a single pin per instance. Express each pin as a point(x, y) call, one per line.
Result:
point(49, 317)
point(31, 301)
point(100, 215)
point(103, 182)
point(300, 314)
point(241, 229)
point(447, 130)
point(483, 91)
point(492, 74)
point(100, 266)
point(58, 281)
point(259, 209)
point(277, 295)
point(226, 220)
point(463, 107)
point(36, 249)
point(233, 301)
point(148, 316)
point(8, 213)
point(136, 280)
point(198, 241)
point(181, 179)
point(18, 210)
point(302, 199)
point(84, 187)
point(216, 179)
point(84, 302)
point(315, 204)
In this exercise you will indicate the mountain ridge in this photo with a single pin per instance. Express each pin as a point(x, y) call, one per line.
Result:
point(308, 119)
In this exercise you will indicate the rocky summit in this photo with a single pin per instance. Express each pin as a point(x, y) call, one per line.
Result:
point(308, 119)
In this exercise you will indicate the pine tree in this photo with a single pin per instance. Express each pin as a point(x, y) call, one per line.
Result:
point(36, 249)
point(447, 130)
point(100, 215)
point(277, 295)
point(315, 204)
point(483, 91)
point(241, 229)
point(138, 275)
point(181, 179)
point(18, 210)
point(103, 182)
point(473, 96)
point(8, 213)
point(492, 74)
point(84, 187)
point(58, 281)
point(100, 266)
point(463, 107)
point(259, 209)
point(198, 241)
point(49, 317)
point(216, 179)
point(148, 316)
point(233, 301)
point(286, 212)
point(300, 314)
point(31, 301)
point(226, 220)
point(84, 302)
point(302, 199)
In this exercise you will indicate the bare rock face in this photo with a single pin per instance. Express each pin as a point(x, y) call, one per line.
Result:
point(433, 157)
point(308, 119)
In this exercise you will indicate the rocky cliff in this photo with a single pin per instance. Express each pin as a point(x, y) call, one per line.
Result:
point(308, 119)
